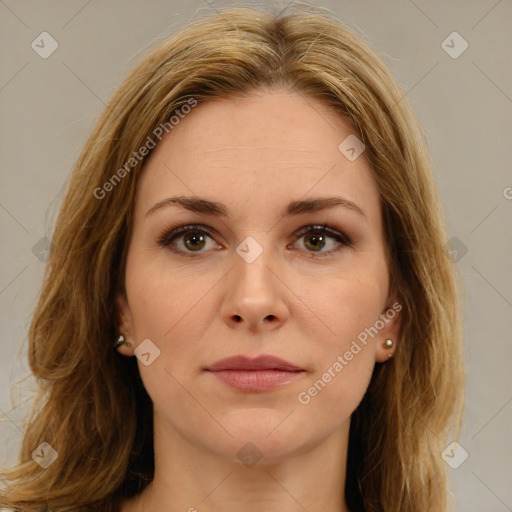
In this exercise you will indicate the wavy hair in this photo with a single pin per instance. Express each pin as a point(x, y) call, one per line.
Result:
point(92, 407)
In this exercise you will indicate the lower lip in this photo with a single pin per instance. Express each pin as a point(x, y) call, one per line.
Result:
point(256, 380)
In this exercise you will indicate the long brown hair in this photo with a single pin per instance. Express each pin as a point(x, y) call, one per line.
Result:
point(92, 407)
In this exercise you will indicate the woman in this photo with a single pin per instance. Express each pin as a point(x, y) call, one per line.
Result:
point(248, 302)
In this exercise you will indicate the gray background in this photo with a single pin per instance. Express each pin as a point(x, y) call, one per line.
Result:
point(48, 107)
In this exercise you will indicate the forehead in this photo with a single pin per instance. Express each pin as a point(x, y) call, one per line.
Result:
point(260, 151)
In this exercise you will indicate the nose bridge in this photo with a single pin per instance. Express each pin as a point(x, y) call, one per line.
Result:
point(254, 259)
point(254, 292)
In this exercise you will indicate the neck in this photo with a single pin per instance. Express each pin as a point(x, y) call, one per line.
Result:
point(189, 477)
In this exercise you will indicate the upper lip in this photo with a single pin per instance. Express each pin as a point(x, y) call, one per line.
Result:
point(263, 362)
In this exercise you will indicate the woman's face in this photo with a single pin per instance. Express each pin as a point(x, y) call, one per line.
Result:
point(246, 280)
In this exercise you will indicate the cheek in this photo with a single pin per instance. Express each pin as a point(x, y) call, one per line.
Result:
point(349, 306)
point(345, 353)
point(335, 393)
point(162, 298)
point(172, 309)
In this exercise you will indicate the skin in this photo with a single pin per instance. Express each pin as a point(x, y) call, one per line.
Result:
point(254, 155)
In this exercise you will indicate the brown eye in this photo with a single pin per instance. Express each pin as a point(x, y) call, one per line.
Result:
point(314, 241)
point(317, 237)
point(194, 241)
point(186, 240)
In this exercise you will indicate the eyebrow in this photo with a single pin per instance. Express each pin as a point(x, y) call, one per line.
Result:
point(214, 208)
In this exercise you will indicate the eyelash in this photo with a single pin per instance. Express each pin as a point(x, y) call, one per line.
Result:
point(170, 235)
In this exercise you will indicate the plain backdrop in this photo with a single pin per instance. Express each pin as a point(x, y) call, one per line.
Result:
point(463, 100)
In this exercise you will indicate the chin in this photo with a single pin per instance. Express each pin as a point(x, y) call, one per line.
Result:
point(263, 435)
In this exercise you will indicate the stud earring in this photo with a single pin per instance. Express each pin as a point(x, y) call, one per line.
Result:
point(120, 341)
point(388, 344)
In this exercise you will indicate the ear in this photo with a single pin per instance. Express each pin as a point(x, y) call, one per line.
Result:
point(124, 325)
point(391, 317)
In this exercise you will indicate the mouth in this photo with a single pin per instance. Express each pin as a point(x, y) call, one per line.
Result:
point(261, 374)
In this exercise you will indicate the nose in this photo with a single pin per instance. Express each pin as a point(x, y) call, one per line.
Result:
point(255, 297)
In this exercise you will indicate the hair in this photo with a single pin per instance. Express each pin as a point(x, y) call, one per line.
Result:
point(91, 405)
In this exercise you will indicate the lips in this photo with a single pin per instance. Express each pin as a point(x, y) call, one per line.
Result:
point(263, 373)
point(263, 362)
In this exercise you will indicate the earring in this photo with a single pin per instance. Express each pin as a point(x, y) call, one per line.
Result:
point(389, 344)
point(120, 341)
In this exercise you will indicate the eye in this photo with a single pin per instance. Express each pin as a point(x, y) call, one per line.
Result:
point(193, 239)
point(316, 237)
